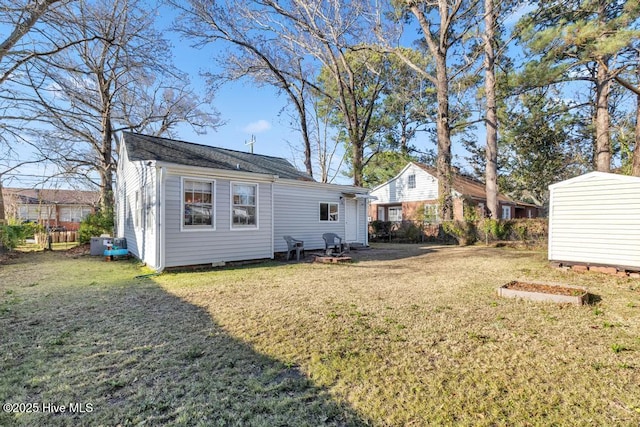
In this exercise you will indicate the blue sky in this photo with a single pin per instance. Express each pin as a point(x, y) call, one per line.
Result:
point(245, 108)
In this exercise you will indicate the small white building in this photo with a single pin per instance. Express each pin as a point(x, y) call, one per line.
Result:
point(594, 219)
point(180, 204)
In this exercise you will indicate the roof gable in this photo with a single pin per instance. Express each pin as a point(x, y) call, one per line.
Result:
point(144, 147)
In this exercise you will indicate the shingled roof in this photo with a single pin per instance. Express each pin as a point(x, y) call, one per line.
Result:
point(51, 196)
point(468, 186)
point(145, 147)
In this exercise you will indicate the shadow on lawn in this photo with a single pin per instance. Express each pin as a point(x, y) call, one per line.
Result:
point(138, 354)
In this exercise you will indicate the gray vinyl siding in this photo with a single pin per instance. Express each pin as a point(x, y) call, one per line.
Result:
point(595, 219)
point(132, 177)
point(223, 244)
point(297, 214)
point(397, 190)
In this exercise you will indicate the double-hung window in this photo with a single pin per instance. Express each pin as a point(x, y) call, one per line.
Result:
point(328, 212)
point(395, 213)
point(198, 204)
point(412, 181)
point(244, 207)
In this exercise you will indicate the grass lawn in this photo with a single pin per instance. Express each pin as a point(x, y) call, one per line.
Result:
point(406, 335)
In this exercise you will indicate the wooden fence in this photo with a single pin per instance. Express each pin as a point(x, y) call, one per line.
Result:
point(57, 237)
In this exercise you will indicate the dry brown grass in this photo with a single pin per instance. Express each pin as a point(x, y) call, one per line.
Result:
point(407, 335)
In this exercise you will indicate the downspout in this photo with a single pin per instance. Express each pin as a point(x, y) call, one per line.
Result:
point(273, 214)
point(160, 214)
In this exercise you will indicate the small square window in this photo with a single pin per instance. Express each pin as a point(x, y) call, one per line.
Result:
point(328, 212)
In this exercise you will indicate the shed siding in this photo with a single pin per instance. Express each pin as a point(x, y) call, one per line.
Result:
point(297, 214)
point(223, 244)
point(596, 220)
point(136, 176)
point(397, 190)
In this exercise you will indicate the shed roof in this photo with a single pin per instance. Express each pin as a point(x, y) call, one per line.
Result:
point(144, 147)
point(596, 175)
point(52, 196)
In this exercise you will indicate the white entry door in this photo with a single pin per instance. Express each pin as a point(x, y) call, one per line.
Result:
point(351, 220)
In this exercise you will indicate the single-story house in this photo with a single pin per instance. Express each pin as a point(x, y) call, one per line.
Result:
point(594, 219)
point(180, 204)
point(413, 194)
point(55, 208)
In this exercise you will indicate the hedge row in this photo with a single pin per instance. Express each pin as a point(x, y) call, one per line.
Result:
point(461, 232)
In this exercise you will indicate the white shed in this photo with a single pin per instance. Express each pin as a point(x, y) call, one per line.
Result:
point(594, 219)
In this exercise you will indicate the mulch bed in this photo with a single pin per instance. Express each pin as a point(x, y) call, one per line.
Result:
point(547, 289)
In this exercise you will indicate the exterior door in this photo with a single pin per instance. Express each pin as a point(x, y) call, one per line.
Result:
point(351, 220)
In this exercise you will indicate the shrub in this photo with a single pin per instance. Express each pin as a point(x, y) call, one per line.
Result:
point(96, 224)
point(463, 231)
point(12, 235)
point(495, 229)
point(409, 232)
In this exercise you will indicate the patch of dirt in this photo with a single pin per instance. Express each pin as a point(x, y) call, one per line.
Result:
point(79, 250)
point(546, 289)
point(8, 256)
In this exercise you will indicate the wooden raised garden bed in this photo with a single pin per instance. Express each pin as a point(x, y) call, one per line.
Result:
point(550, 292)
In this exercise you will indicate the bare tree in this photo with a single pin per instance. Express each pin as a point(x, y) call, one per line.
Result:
point(268, 60)
point(118, 77)
point(285, 44)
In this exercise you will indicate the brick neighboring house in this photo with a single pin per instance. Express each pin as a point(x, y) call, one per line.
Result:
point(50, 207)
point(413, 195)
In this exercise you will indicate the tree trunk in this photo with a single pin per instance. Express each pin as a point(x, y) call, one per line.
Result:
point(491, 118)
point(603, 146)
point(635, 170)
point(2, 215)
point(106, 168)
point(443, 128)
point(357, 152)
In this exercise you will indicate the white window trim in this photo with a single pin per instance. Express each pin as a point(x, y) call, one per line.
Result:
point(243, 227)
point(409, 186)
point(322, 221)
point(137, 215)
point(504, 210)
point(395, 209)
point(198, 228)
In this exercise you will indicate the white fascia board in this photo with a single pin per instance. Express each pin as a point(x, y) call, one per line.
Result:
point(314, 184)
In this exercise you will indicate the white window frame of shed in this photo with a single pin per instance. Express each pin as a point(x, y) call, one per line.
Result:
point(411, 181)
point(197, 188)
point(506, 212)
point(395, 213)
point(244, 206)
point(330, 212)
